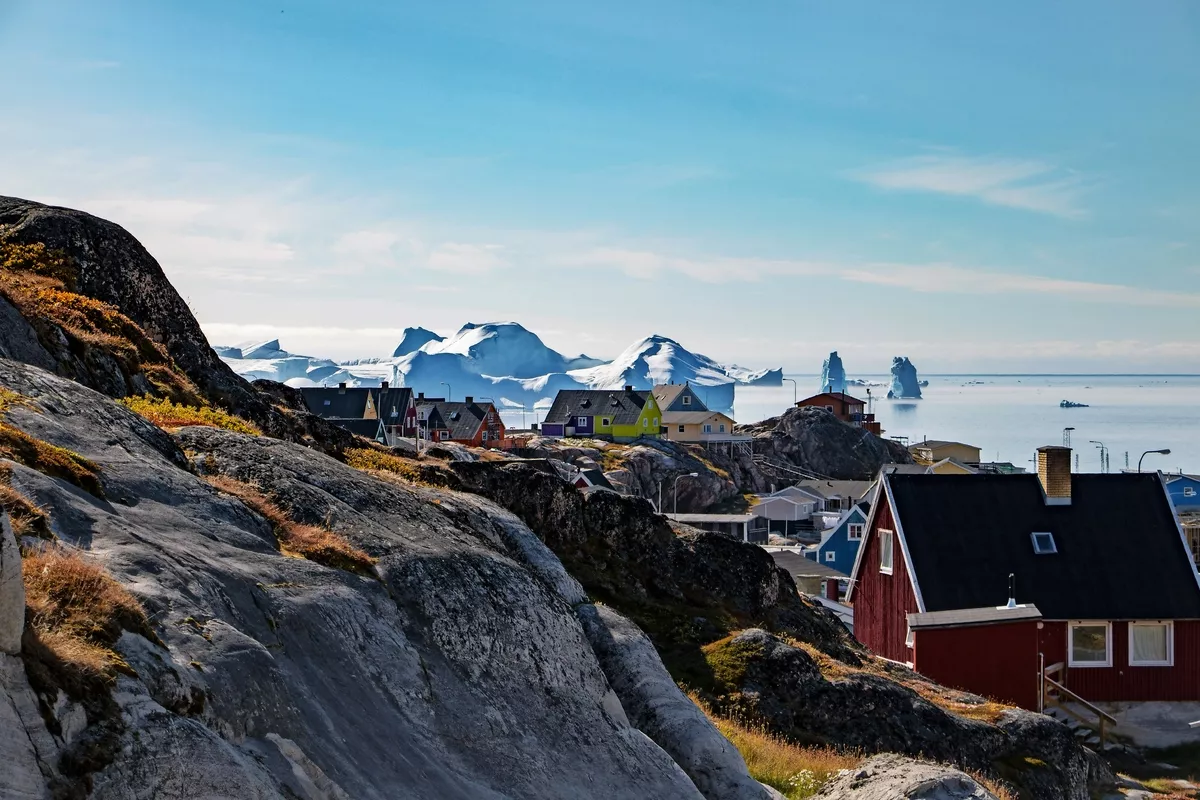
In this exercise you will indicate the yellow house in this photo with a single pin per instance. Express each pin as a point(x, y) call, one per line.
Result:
point(932, 451)
point(696, 426)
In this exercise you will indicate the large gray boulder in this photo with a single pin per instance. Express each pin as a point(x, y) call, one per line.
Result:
point(459, 671)
point(892, 777)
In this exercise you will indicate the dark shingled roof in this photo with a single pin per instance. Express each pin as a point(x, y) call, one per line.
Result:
point(618, 405)
point(461, 419)
point(1119, 551)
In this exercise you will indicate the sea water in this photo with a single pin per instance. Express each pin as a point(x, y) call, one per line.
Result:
point(1009, 416)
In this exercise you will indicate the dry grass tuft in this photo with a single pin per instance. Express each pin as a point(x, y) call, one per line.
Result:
point(78, 612)
point(796, 771)
point(58, 462)
point(166, 414)
point(323, 546)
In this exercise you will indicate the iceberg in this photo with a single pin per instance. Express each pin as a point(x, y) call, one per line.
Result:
point(833, 374)
point(503, 362)
point(905, 385)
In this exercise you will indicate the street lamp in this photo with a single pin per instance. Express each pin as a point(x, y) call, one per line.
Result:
point(795, 391)
point(1164, 452)
point(675, 504)
point(447, 389)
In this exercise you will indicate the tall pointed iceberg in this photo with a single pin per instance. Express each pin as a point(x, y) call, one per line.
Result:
point(833, 374)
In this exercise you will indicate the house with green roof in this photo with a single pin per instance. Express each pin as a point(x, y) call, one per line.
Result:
point(620, 415)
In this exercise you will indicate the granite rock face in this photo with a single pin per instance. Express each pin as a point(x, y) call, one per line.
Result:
point(459, 670)
point(814, 440)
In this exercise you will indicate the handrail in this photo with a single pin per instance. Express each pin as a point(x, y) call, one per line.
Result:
point(1105, 716)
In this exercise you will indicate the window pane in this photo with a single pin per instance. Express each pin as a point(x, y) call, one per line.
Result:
point(1149, 642)
point(1089, 643)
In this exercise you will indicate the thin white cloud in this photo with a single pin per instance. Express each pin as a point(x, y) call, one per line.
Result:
point(1016, 183)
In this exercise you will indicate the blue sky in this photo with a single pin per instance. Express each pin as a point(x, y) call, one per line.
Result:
point(1010, 187)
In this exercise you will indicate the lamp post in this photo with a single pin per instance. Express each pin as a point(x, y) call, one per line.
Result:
point(447, 389)
point(675, 503)
point(1164, 452)
point(795, 391)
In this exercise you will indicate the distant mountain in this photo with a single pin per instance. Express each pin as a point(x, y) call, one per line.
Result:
point(502, 361)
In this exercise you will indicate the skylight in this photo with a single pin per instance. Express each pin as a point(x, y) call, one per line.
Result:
point(1043, 543)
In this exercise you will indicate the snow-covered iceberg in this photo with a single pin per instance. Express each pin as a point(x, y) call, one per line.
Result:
point(833, 374)
point(504, 362)
point(905, 384)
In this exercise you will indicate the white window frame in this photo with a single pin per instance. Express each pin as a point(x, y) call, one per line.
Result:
point(1170, 626)
point(887, 567)
point(830, 555)
point(1108, 643)
point(862, 528)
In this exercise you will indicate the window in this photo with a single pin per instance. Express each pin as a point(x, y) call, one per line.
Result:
point(1151, 644)
point(855, 531)
point(1043, 543)
point(1089, 644)
point(885, 552)
point(1189, 491)
point(830, 556)
point(681, 428)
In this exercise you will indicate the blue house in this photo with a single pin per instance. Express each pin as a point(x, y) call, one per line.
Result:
point(1184, 491)
point(839, 545)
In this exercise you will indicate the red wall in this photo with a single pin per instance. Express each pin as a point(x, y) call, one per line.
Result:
point(1123, 682)
point(996, 661)
point(882, 602)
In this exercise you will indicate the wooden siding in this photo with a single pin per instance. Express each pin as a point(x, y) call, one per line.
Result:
point(996, 661)
point(1121, 681)
point(883, 602)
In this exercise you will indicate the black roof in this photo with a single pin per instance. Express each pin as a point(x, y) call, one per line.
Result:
point(351, 402)
point(1119, 554)
point(461, 419)
point(618, 405)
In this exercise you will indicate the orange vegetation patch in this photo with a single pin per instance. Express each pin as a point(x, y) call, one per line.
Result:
point(77, 612)
point(297, 539)
point(166, 414)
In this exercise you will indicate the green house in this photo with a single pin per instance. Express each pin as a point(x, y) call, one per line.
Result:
point(621, 415)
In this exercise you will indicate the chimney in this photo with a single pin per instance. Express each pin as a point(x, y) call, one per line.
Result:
point(383, 386)
point(1054, 471)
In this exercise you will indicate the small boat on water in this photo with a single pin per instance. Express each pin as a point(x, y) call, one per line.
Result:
point(1070, 404)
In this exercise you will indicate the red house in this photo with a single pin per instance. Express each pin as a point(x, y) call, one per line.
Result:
point(469, 423)
point(1105, 597)
point(846, 408)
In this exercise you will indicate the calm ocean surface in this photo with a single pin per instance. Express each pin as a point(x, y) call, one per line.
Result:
point(1010, 416)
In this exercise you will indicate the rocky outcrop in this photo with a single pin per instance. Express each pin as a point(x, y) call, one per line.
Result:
point(814, 440)
point(277, 676)
point(107, 264)
point(905, 383)
point(762, 678)
point(892, 777)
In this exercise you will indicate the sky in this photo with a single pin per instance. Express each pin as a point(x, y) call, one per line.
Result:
point(1005, 187)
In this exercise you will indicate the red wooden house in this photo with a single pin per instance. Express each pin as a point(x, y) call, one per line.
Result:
point(844, 407)
point(1106, 594)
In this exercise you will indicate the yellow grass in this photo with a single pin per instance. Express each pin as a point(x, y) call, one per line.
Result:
point(795, 771)
point(166, 414)
point(297, 539)
point(78, 611)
